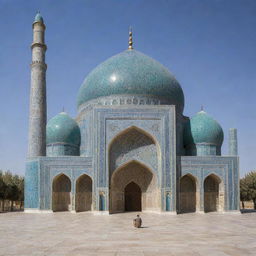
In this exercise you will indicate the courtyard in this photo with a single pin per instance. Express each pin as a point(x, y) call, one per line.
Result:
point(65, 233)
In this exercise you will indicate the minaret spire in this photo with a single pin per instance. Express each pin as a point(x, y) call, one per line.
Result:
point(37, 111)
point(233, 142)
point(130, 39)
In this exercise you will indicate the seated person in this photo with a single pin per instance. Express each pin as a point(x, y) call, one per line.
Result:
point(137, 222)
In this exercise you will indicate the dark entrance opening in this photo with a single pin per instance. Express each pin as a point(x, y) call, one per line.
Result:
point(211, 194)
point(132, 194)
point(187, 194)
point(83, 193)
point(61, 189)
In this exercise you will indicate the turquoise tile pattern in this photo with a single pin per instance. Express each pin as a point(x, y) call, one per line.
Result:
point(39, 18)
point(31, 184)
point(129, 110)
point(63, 129)
point(132, 73)
point(203, 129)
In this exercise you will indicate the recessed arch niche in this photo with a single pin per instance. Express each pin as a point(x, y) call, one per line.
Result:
point(133, 158)
point(61, 193)
point(133, 143)
point(188, 197)
point(132, 197)
point(83, 198)
point(213, 194)
point(134, 177)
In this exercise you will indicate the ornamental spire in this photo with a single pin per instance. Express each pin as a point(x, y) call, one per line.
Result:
point(130, 39)
point(38, 17)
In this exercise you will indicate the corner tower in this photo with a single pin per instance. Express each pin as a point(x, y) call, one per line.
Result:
point(37, 111)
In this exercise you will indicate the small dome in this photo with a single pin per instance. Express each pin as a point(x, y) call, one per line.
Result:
point(39, 18)
point(132, 73)
point(203, 129)
point(63, 129)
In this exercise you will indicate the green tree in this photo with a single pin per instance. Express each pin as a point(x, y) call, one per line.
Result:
point(250, 185)
point(244, 191)
point(2, 189)
point(6, 191)
point(14, 190)
point(21, 190)
point(11, 188)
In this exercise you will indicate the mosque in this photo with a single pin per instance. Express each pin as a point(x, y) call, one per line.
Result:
point(130, 148)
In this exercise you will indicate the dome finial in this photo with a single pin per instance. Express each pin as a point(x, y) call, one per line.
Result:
point(202, 108)
point(38, 17)
point(130, 39)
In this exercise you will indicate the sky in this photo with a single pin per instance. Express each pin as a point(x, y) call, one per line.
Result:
point(209, 45)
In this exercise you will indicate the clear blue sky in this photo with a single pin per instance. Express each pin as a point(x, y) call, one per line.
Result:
point(209, 45)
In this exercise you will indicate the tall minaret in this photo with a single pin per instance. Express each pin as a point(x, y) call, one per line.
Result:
point(37, 111)
point(233, 142)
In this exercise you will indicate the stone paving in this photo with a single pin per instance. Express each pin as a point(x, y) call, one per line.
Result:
point(87, 234)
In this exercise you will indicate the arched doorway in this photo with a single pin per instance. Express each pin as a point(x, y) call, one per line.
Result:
point(133, 144)
point(61, 190)
point(187, 194)
point(211, 193)
point(83, 193)
point(133, 187)
point(132, 193)
point(133, 155)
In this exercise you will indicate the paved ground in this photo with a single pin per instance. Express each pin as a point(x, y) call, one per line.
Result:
point(85, 234)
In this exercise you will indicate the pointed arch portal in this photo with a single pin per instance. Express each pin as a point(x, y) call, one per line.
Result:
point(61, 193)
point(133, 187)
point(211, 193)
point(83, 193)
point(133, 143)
point(187, 194)
point(132, 193)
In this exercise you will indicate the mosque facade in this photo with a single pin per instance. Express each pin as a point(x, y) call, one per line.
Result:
point(130, 148)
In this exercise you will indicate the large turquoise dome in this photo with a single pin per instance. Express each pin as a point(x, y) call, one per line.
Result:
point(132, 73)
point(63, 129)
point(203, 129)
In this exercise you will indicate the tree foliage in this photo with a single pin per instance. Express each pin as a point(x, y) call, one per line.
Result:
point(248, 188)
point(11, 188)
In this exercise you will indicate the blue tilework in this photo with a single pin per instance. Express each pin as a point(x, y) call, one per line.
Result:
point(62, 149)
point(31, 185)
point(63, 129)
point(226, 168)
point(50, 167)
point(168, 202)
point(131, 72)
point(233, 151)
point(203, 129)
point(39, 18)
point(158, 121)
point(102, 206)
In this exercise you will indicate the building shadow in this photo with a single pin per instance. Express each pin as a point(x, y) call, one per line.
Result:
point(248, 211)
